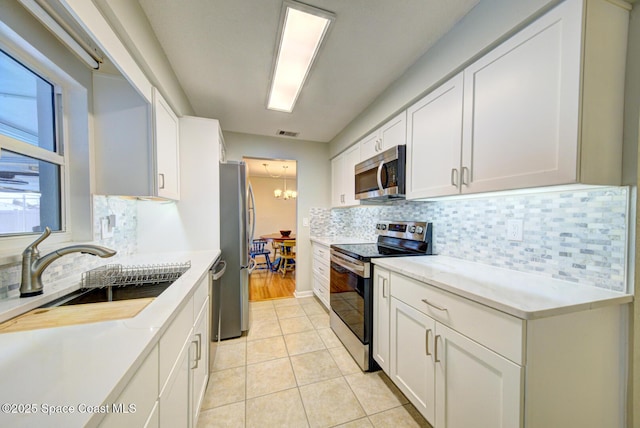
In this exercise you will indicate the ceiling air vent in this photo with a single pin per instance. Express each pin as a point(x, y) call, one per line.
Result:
point(284, 133)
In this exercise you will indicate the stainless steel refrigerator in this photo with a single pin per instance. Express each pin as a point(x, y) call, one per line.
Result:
point(237, 224)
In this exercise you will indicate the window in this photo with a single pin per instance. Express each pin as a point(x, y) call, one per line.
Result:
point(31, 160)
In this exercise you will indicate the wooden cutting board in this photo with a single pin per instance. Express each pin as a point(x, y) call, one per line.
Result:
point(75, 314)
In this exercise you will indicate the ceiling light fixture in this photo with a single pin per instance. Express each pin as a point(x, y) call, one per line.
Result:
point(279, 193)
point(302, 30)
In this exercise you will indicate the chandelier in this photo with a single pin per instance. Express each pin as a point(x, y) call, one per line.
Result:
point(279, 193)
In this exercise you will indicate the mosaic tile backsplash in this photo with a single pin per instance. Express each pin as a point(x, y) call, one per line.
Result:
point(578, 236)
point(123, 240)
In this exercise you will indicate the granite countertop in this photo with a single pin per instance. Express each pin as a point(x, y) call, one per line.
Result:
point(523, 295)
point(328, 240)
point(87, 364)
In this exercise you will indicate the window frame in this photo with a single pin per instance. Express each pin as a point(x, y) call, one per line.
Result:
point(21, 51)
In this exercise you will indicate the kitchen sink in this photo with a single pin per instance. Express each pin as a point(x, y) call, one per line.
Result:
point(109, 294)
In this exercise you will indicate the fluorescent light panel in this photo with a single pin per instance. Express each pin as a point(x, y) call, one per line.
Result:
point(301, 33)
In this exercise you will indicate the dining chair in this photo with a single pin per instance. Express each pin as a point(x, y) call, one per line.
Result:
point(258, 249)
point(287, 256)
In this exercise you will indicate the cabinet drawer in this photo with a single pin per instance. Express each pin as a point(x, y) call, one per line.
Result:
point(496, 330)
point(321, 268)
point(321, 290)
point(200, 296)
point(172, 341)
point(321, 252)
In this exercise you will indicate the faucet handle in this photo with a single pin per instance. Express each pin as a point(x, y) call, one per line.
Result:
point(34, 245)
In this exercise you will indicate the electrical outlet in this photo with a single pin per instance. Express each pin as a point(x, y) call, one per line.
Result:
point(515, 229)
point(305, 221)
point(106, 231)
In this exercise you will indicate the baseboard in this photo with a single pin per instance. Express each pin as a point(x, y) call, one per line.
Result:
point(300, 294)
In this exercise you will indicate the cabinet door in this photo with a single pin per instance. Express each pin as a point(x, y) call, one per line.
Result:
point(394, 132)
point(475, 386)
point(175, 398)
point(412, 364)
point(337, 193)
point(200, 361)
point(166, 135)
point(434, 142)
point(351, 158)
point(521, 107)
point(369, 146)
point(381, 308)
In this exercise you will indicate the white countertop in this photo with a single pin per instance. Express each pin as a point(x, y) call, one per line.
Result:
point(328, 240)
point(524, 295)
point(90, 363)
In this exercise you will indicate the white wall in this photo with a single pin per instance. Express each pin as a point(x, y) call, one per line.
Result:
point(273, 214)
point(314, 184)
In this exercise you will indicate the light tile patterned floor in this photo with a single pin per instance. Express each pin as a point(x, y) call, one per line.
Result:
point(292, 371)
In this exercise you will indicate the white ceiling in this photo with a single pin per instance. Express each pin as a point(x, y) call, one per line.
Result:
point(221, 52)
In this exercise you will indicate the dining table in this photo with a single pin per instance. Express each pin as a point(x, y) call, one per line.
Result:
point(277, 237)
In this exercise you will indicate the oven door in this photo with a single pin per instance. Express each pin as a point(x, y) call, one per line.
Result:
point(382, 176)
point(350, 294)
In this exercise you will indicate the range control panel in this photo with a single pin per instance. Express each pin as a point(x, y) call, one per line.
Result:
point(414, 230)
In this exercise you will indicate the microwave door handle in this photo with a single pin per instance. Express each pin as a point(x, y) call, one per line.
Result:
point(380, 176)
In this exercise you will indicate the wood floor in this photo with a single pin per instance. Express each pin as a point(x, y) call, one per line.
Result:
point(266, 285)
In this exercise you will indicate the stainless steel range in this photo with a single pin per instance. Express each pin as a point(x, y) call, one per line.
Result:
point(351, 294)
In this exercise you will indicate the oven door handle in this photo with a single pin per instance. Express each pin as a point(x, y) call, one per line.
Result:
point(379, 176)
point(355, 268)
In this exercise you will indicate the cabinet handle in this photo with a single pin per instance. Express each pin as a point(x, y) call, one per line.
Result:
point(384, 287)
point(433, 305)
point(199, 350)
point(454, 177)
point(161, 186)
point(426, 338)
point(435, 343)
point(194, 342)
point(465, 173)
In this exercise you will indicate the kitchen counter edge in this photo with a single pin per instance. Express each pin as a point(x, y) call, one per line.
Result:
point(524, 295)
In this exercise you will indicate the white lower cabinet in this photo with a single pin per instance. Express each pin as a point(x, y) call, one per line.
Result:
point(321, 272)
point(463, 364)
point(168, 388)
point(474, 385)
point(452, 380)
point(200, 364)
point(183, 391)
point(381, 304)
point(174, 399)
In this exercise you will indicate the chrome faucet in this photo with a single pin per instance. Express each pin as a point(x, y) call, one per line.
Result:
point(33, 265)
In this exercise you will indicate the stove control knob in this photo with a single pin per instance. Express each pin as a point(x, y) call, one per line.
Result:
point(378, 226)
point(419, 230)
point(412, 229)
point(383, 226)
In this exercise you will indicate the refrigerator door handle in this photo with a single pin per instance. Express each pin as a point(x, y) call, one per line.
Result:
point(217, 274)
point(252, 210)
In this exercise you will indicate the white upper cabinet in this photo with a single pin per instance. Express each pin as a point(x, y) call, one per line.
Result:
point(392, 133)
point(166, 134)
point(343, 191)
point(434, 143)
point(136, 144)
point(542, 108)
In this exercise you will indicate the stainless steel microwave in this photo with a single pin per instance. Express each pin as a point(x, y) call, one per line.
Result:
point(382, 177)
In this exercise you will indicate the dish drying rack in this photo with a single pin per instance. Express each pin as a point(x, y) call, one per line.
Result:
point(117, 275)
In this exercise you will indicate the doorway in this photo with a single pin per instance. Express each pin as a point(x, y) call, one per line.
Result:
point(274, 184)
